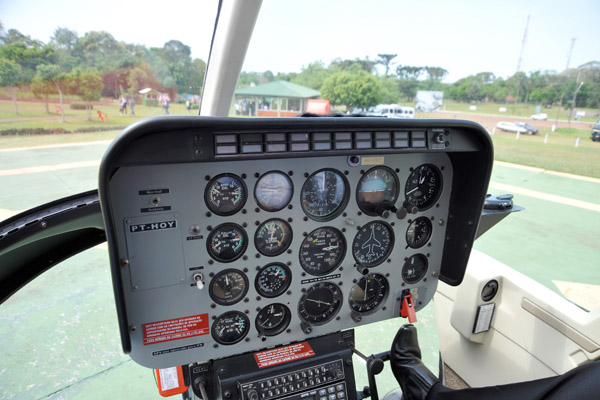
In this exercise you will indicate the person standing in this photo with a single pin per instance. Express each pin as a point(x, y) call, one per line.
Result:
point(123, 109)
point(131, 105)
point(166, 105)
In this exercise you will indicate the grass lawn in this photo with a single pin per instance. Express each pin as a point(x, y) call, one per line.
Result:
point(518, 110)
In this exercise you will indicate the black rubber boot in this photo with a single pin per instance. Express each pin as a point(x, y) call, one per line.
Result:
point(410, 372)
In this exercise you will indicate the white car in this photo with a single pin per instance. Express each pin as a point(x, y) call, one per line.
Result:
point(540, 116)
point(517, 127)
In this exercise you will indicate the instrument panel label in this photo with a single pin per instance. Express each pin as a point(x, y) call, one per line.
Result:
point(153, 226)
point(175, 329)
point(281, 355)
point(153, 191)
point(320, 279)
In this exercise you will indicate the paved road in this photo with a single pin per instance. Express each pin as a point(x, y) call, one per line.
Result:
point(59, 336)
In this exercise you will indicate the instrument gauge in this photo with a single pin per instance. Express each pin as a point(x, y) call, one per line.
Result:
point(414, 268)
point(273, 280)
point(320, 303)
point(373, 243)
point(273, 319)
point(273, 237)
point(225, 194)
point(368, 293)
point(227, 242)
point(418, 232)
point(228, 287)
point(324, 195)
point(377, 190)
point(230, 327)
point(273, 191)
point(424, 186)
point(322, 251)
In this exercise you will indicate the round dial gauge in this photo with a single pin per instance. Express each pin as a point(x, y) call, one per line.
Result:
point(418, 232)
point(230, 327)
point(273, 280)
point(414, 268)
point(322, 251)
point(373, 243)
point(273, 191)
point(320, 303)
point(424, 186)
point(368, 293)
point(377, 190)
point(227, 242)
point(228, 287)
point(273, 319)
point(225, 194)
point(324, 195)
point(273, 237)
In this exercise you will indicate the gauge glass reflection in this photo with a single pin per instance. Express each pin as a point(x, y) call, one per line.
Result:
point(368, 293)
point(227, 242)
point(273, 191)
point(273, 319)
point(414, 268)
point(373, 243)
point(230, 327)
point(324, 195)
point(377, 190)
point(225, 194)
point(273, 237)
point(228, 287)
point(418, 232)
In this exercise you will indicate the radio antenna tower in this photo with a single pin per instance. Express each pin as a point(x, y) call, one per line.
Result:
point(570, 52)
point(523, 45)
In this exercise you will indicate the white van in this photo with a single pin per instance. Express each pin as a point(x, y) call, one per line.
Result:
point(392, 111)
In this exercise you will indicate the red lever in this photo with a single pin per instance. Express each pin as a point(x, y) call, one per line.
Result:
point(408, 309)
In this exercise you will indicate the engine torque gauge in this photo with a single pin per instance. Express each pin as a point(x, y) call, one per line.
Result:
point(320, 303)
point(273, 237)
point(418, 232)
point(368, 293)
point(414, 268)
point(225, 194)
point(324, 195)
point(273, 191)
point(273, 319)
point(230, 327)
point(377, 190)
point(424, 186)
point(322, 250)
point(227, 242)
point(273, 280)
point(373, 243)
point(228, 287)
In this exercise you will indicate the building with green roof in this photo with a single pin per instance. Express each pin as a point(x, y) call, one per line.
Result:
point(273, 99)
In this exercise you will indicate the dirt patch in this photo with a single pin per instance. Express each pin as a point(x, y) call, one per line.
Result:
point(41, 131)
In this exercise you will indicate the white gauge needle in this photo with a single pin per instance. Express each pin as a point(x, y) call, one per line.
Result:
point(410, 191)
point(319, 302)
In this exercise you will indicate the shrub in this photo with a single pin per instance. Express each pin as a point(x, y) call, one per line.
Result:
point(78, 106)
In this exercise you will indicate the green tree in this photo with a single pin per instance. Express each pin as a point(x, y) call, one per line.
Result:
point(386, 61)
point(359, 89)
point(10, 76)
point(312, 76)
point(87, 84)
point(47, 78)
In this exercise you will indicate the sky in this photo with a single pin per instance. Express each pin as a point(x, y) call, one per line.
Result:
point(464, 37)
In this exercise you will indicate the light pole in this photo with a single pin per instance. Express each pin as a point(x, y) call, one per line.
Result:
point(577, 87)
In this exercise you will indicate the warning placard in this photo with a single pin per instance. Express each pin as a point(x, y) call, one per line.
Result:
point(174, 329)
point(283, 354)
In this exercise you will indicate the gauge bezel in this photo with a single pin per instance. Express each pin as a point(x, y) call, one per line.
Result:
point(216, 228)
point(424, 241)
point(406, 264)
point(283, 248)
point(427, 205)
point(388, 252)
point(278, 329)
point(228, 302)
point(245, 333)
point(338, 263)
point(236, 209)
point(342, 206)
point(290, 182)
point(288, 272)
point(362, 205)
point(335, 312)
point(380, 302)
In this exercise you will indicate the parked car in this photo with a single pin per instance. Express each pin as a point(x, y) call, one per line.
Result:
point(520, 127)
point(540, 116)
point(391, 111)
point(595, 136)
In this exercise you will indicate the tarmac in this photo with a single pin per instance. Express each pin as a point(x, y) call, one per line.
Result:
point(59, 337)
